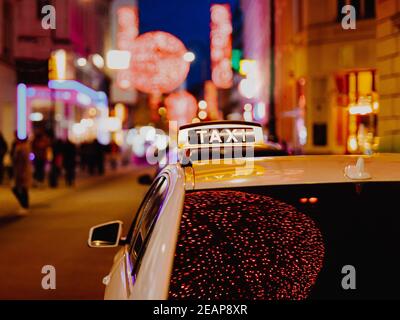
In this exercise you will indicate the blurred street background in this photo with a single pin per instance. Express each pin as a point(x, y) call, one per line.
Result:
point(89, 87)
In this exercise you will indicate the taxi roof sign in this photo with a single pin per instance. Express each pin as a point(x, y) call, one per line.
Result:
point(220, 134)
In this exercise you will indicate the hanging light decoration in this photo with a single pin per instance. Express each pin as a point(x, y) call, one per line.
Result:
point(158, 64)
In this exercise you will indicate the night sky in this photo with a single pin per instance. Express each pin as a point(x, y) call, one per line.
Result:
point(189, 20)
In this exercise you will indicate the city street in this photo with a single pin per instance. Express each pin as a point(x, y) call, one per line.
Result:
point(56, 232)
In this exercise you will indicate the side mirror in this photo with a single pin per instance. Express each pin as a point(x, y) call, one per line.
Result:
point(106, 235)
point(145, 180)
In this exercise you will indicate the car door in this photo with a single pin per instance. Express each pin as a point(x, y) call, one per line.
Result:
point(165, 195)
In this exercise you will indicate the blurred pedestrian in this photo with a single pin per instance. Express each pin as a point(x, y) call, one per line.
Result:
point(91, 153)
point(56, 160)
point(84, 155)
point(100, 151)
point(69, 162)
point(40, 145)
point(22, 174)
point(114, 155)
point(3, 152)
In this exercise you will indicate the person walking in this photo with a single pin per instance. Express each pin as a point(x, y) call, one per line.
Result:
point(40, 145)
point(22, 174)
point(69, 162)
point(56, 161)
point(3, 152)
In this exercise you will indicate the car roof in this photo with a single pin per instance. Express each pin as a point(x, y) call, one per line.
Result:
point(291, 170)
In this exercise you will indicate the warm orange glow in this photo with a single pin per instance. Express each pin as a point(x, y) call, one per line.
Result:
point(303, 200)
point(157, 63)
point(221, 45)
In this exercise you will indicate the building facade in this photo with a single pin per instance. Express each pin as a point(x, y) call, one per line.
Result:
point(7, 72)
point(74, 51)
point(327, 77)
point(388, 63)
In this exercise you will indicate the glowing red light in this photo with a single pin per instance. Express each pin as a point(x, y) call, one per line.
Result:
point(221, 45)
point(181, 107)
point(157, 62)
point(303, 200)
point(313, 200)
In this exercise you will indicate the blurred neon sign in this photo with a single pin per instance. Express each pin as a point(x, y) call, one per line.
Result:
point(22, 112)
point(221, 45)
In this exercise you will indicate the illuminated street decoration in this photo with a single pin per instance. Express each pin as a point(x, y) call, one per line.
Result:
point(158, 63)
point(127, 32)
point(240, 246)
point(181, 107)
point(221, 46)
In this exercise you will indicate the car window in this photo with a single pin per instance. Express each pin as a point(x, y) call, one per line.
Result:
point(289, 242)
point(145, 220)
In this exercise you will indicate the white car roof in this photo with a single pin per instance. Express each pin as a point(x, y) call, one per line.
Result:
point(291, 170)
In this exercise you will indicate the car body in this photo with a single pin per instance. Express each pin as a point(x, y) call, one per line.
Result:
point(146, 267)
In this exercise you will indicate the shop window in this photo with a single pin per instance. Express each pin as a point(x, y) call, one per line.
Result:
point(358, 104)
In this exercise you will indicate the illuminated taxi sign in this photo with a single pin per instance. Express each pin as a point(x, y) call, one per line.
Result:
point(220, 134)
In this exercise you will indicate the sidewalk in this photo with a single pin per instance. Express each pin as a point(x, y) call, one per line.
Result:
point(41, 197)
